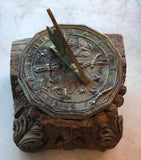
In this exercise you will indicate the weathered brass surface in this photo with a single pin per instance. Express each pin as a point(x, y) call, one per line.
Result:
point(54, 88)
point(51, 85)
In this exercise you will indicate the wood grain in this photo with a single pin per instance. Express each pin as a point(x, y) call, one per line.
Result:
point(34, 130)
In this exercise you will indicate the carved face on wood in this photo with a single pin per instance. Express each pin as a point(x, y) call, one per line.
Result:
point(52, 86)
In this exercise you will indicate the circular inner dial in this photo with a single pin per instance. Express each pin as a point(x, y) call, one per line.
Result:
point(53, 86)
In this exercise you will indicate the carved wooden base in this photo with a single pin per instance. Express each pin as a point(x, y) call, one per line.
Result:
point(34, 130)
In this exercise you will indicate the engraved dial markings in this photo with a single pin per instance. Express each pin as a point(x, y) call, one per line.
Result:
point(96, 77)
point(36, 45)
point(54, 87)
point(100, 94)
point(93, 90)
point(82, 89)
point(65, 92)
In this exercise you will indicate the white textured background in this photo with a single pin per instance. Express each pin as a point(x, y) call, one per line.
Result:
point(23, 18)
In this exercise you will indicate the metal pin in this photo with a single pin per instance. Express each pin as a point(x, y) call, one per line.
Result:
point(93, 102)
point(66, 92)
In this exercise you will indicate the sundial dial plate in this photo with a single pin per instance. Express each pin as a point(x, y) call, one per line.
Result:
point(51, 86)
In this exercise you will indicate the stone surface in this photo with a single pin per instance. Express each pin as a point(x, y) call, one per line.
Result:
point(24, 18)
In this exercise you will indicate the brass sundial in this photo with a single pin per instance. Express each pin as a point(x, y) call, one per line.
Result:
point(70, 71)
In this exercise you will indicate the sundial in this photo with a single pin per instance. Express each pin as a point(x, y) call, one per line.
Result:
point(70, 71)
point(67, 83)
